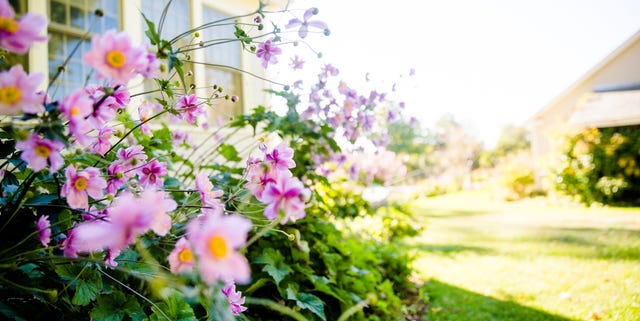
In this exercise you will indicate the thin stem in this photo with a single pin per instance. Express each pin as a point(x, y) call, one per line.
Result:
point(352, 310)
point(276, 307)
point(260, 233)
point(238, 70)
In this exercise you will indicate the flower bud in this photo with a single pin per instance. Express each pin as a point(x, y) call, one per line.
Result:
point(109, 197)
point(226, 97)
point(189, 73)
point(234, 98)
point(319, 55)
point(315, 11)
point(257, 19)
point(327, 32)
point(260, 26)
point(286, 87)
point(196, 34)
point(163, 68)
point(99, 13)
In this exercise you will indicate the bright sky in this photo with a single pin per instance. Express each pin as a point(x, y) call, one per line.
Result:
point(489, 63)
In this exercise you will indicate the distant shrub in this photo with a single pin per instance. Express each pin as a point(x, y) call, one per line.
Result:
point(516, 176)
point(601, 165)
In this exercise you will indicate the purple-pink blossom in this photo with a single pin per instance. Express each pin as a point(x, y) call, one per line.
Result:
point(190, 107)
point(106, 107)
point(80, 185)
point(235, 298)
point(210, 199)
point(296, 63)
point(181, 257)
point(113, 56)
point(267, 51)
point(77, 107)
point(150, 68)
point(17, 36)
point(44, 230)
point(152, 174)
point(216, 240)
point(102, 143)
point(128, 218)
point(285, 196)
point(280, 157)
point(305, 23)
point(145, 111)
point(37, 151)
point(18, 92)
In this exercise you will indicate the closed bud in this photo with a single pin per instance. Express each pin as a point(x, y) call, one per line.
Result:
point(196, 34)
point(99, 13)
point(234, 98)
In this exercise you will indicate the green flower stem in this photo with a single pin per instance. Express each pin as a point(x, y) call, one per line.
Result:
point(238, 70)
point(354, 309)
point(129, 133)
point(25, 187)
point(260, 233)
point(276, 307)
point(51, 293)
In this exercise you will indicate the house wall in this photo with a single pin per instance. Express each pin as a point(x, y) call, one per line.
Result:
point(550, 125)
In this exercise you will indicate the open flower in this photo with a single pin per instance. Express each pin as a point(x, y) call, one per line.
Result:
point(305, 23)
point(113, 56)
point(267, 52)
point(210, 198)
point(44, 230)
point(284, 195)
point(280, 157)
point(36, 151)
point(215, 240)
point(152, 173)
point(17, 36)
point(190, 107)
point(77, 107)
point(80, 185)
point(18, 91)
point(235, 298)
point(102, 143)
point(181, 257)
point(128, 218)
point(296, 63)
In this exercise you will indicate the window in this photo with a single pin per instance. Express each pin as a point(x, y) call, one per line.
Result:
point(69, 21)
point(227, 54)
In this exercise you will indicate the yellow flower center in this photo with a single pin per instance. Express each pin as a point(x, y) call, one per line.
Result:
point(218, 247)
point(185, 256)
point(8, 25)
point(116, 59)
point(80, 183)
point(42, 151)
point(75, 110)
point(10, 95)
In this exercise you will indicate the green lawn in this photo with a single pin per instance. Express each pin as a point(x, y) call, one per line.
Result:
point(483, 259)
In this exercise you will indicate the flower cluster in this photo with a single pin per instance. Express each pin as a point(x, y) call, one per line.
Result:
point(271, 182)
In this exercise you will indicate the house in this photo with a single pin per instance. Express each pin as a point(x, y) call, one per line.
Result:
point(71, 19)
point(608, 95)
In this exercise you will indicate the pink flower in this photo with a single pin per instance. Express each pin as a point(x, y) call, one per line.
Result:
point(18, 91)
point(280, 157)
point(215, 240)
point(305, 23)
point(36, 151)
point(152, 173)
point(151, 66)
point(267, 52)
point(179, 137)
point(80, 185)
point(258, 176)
point(102, 143)
point(128, 218)
point(210, 198)
point(77, 107)
point(17, 36)
point(181, 257)
point(44, 230)
point(190, 107)
point(145, 111)
point(113, 56)
point(234, 298)
point(284, 195)
point(296, 63)
point(106, 107)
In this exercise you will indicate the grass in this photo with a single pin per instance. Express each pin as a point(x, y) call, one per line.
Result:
point(483, 259)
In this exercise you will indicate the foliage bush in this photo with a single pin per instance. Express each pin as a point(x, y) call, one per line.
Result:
point(124, 235)
point(516, 176)
point(602, 165)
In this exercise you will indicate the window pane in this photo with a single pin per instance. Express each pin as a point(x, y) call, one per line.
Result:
point(227, 49)
point(58, 12)
point(177, 20)
point(78, 17)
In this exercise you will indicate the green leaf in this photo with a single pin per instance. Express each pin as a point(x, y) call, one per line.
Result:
point(175, 307)
point(115, 306)
point(312, 303)
point(31, 270)
point(86, 291)
point(151, 33)
point(229, 152)
point(42, 199)
point(274, 264)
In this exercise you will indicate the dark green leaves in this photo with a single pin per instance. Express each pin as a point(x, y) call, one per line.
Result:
point(175, 307)
point(307, 301)
point(229, 153)
point(274, 265)
point(115, 306)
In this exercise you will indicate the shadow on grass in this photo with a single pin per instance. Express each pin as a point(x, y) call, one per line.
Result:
point(449, 249)
point(451, 303)
point(448, 213)
point(592, 243)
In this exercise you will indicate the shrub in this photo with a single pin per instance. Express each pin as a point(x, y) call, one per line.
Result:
point(602, 165)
